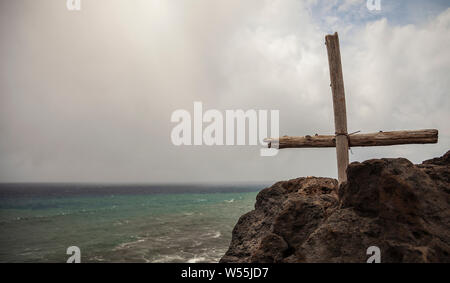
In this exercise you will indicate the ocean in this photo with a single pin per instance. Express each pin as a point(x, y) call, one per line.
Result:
point(120, 223)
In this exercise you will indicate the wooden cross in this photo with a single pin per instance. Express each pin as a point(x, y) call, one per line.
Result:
point(341, 139)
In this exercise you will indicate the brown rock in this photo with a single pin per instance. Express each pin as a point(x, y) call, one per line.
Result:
point(393, 204)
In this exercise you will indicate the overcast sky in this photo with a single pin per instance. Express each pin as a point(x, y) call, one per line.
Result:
point(87, 95)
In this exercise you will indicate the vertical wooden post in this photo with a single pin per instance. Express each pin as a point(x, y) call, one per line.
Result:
point(340, 113)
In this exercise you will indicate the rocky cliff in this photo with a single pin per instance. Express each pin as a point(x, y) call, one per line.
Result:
point(402, 208)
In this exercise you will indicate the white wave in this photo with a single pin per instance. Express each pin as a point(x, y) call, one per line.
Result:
point(97, 258)
point(120, 223)
point(128, 244)
point(213, 234)
point(196, 259)
point(169, 258)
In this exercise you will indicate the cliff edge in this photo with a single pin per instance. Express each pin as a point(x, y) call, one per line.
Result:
point(402, 208)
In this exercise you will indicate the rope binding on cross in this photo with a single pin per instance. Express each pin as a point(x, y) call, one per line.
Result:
point(348, 137)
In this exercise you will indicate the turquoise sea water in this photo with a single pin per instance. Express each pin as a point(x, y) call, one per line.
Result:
point(119, 224)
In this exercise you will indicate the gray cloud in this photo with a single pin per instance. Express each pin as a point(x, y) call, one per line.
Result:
point(87, 96)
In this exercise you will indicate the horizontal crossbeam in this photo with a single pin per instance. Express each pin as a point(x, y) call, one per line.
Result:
point(358, 140)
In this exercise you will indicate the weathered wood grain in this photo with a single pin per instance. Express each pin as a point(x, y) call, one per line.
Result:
point(359, 140)
point(340, 112)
